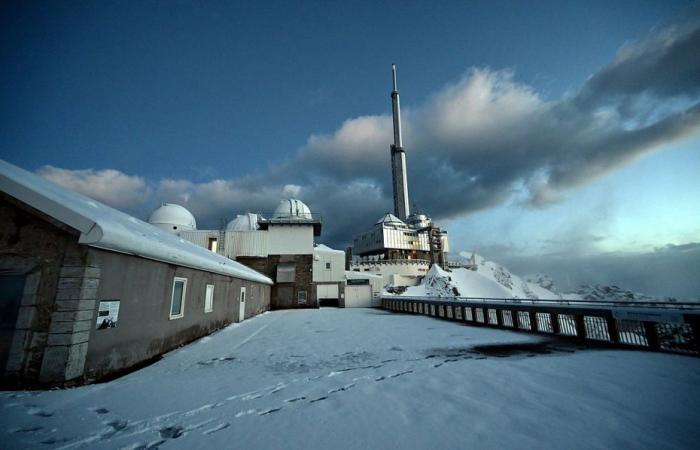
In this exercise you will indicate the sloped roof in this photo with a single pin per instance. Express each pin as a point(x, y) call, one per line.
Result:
point(389, 219)
point(104, 227)
point(321, 248)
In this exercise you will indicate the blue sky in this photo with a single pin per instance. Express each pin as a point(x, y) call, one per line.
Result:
point(226, 107)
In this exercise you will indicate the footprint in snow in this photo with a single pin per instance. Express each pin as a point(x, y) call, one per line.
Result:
point(100, 410)
point(251, 397)
point(341, 389)
point(400, 373)
point(172, 432)
point(39, 412)
point(55, 440)
point(115, 427)
point(219, 427)
point(295, 399)
point(269, 411)
point(25, 429)
point(277, 389)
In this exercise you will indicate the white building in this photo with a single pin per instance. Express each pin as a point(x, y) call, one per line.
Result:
point(305, 274)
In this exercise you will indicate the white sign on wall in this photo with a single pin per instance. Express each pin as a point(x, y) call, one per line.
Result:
point(107, 314)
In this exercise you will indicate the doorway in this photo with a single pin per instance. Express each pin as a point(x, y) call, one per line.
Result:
point(11, 292)
point(241, 305)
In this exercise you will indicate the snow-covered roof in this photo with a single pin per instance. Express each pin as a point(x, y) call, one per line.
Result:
point(107, 228)
point(320, 248)
point(389, 219)
point(172, 217)
point(354, 275)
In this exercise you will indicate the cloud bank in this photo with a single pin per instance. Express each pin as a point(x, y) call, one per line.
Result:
point(473, 145)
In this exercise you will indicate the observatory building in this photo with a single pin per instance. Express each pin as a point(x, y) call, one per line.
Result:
point(401, 246)
point(282, 246)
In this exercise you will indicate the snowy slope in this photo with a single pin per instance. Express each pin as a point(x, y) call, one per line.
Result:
point(488, 280)
point(369, 379)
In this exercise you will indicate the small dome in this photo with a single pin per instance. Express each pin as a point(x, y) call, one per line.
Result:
point(292, 208)
point(244, 222)
point(173, 218)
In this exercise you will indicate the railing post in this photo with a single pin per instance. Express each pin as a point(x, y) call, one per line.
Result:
point(499, 317)
point(463, 311)
point(612, 328)
point(554, 319)
point(580, 326)
point(533, 321)
point(694, 322)
point(652, 335)
point(516, 318)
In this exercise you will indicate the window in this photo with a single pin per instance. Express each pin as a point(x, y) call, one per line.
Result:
point(328, 266)
point(301, 297)
point(286, 272)
point(213, 244)
point(177, 302)
point(209, 298)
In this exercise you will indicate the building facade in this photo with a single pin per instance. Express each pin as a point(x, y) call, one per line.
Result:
point(89, 291)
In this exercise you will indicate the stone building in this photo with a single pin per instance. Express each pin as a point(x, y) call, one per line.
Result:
point(88, 291)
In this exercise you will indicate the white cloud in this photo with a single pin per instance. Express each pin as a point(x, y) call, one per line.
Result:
point(109, 186)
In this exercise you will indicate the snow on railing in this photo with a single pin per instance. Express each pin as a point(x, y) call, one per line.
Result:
point(658, 326)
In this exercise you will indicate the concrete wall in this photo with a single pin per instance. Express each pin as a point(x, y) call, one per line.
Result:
point(144, 329)
point(285, 239)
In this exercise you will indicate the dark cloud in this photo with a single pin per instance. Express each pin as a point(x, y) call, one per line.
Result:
point(471, 146)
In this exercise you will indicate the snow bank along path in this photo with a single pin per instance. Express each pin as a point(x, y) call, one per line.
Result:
point(361, 378)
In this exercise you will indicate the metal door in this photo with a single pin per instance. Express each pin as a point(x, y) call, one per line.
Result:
point(358, 296)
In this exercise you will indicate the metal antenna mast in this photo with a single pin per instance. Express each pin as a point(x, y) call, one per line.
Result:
point(398, 156)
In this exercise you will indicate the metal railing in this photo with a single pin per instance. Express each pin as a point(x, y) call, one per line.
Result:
point(655, 326)
point(361, 262)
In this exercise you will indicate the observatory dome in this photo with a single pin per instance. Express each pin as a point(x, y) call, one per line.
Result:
point(173, 218)
point(244, 222)
point(292, 208)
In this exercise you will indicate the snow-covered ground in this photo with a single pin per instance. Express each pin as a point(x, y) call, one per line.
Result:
point(368, 379)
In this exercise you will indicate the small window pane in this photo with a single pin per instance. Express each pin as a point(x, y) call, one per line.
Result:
point(177, 299)
point(209, 298)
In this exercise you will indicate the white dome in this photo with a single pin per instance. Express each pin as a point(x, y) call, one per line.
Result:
point(244, 222)
point(173, 218)
point(292, 208)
